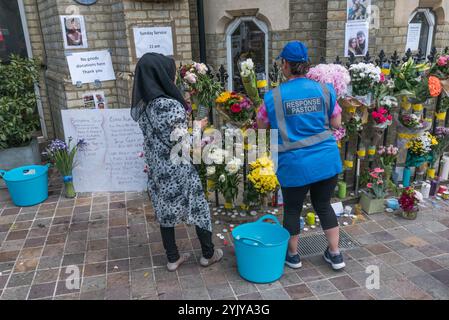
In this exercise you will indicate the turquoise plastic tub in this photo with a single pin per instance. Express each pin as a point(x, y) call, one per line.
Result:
point(27, 185)
point(260, 250)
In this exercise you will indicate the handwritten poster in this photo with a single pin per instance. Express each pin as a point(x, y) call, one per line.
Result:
point(110, 161)
point(154, 39)
point(413, 36)
point(89, 66)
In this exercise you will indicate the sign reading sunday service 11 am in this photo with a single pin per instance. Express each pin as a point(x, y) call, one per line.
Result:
point(89, 66)
point(153, 39)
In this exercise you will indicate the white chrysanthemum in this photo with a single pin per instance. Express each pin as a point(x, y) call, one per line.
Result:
point(233, 166)
point(210, 170)
point(222, 178)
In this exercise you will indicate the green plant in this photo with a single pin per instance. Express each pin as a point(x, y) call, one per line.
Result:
point(444, 105)
point(18, 116)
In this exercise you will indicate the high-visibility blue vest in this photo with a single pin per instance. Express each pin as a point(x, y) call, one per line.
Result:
point(307, 151)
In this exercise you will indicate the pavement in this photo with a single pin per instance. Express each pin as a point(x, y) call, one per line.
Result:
point(108, 246)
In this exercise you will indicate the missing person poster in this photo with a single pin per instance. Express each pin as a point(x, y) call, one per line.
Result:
point(153, 39)
point(95, 100)
point(90, 66)
point(358, 10)
point(356, 38)
point(74, 32)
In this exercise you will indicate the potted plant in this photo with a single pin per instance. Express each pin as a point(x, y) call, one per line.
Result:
point(441, 109)
point(18, 113)
point(62, 155)
point(409, 203)
point(372, 200)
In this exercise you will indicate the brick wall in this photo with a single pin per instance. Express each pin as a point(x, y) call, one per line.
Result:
point(109, 26)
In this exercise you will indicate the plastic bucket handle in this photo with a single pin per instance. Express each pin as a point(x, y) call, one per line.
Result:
point(257, 241)
point(2, 173)
point(268, 217)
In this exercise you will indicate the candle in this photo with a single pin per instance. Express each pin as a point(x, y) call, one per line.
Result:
point(445, 170)
point(440, 116)
point(431, 173)
point(406, 177)
point(361, 152)
point(417, 107)
point(425, 190)
point(349, 164)
point(341, 189)
point(310, 218)
point(433, 188)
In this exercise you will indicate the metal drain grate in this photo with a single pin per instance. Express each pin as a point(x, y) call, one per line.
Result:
point(315, 244)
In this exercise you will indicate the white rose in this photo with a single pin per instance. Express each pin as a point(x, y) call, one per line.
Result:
point(233, 166)
point(222, 178)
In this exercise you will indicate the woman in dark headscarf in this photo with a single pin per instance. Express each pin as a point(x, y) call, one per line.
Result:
point(175, 188)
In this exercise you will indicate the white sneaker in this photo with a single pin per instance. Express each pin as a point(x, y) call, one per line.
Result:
point(172, 266)
point(218, 254)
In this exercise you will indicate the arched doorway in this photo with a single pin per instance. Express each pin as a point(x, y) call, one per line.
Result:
point(246, 37)
point(424, 21)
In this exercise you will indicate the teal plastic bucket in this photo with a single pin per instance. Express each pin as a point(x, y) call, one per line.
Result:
point(260, 250)
point(27, 185)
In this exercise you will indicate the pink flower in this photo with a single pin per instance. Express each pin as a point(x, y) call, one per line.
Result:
point(236, 108)
point(146, 169)
point(140, 154)
point(380, 182)
point(369, 185)
point(378, 170)
point(442, 61)
point(382, 77)
point(190, 77)
point(374, 175)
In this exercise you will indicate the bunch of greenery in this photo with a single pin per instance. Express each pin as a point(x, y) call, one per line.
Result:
point(18, 112)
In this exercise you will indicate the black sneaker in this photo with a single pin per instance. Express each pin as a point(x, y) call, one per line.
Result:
point(336, 261)
point(293, 262)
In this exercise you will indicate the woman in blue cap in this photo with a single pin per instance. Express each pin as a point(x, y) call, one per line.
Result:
point(303, 111)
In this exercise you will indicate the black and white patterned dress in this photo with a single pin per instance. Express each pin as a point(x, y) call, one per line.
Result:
point(175, 189)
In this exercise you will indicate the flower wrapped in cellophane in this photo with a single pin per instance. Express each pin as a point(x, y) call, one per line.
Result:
point(421, 150)
point(335, 74)
point(236, 108)
point(249, 81)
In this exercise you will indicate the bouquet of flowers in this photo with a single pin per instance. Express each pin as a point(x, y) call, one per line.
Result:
point(236, 108)
point(388, 155)
point(428, 88)
point(411, 121)
point(202, 88)
point(382, 117)
point(409, 201)
point(364, 76)
point(388, 102)
point(353, 126)
point(376, 184)
point(441, 68)
point(224, 174)
point(407, 77)
point(442, 136)
point(335, 74)
point(249, 81)
point(62, 155)
point(261, 180)
point(422, 145)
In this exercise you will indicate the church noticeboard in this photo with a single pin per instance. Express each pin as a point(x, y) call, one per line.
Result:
point(110, 161)
point(153, 39)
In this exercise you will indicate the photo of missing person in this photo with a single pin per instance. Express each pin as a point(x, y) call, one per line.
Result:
point(74, 32)
point(356, 39)
point(89, 101)
point(358, 9)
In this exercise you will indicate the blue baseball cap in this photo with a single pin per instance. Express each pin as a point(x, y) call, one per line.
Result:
point(294, 51)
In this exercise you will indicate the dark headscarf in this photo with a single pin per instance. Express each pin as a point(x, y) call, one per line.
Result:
point(154, 77)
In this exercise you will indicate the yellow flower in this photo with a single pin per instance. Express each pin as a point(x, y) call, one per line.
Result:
point(223, 97)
